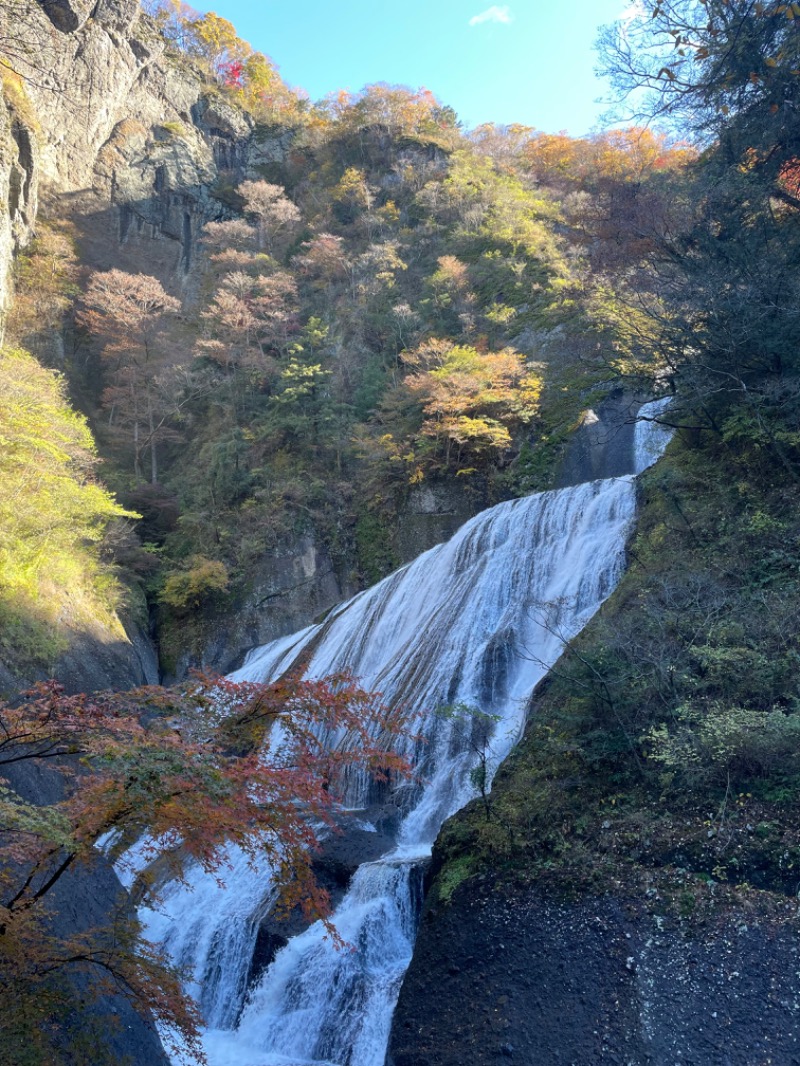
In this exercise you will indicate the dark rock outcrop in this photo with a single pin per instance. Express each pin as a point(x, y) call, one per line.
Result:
point(89, 899)
point(602, 446)
point(505, 975)
point(19, 184)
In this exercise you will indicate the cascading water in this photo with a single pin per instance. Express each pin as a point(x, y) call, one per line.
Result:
point(477, 621)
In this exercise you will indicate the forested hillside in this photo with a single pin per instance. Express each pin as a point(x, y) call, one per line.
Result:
point(685, 692)
point(258, 351)
point(382, 302)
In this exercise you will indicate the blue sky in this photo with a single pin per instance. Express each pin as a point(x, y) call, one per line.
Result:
point(528, 61)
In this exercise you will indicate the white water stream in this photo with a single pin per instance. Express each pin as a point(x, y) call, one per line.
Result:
point(479, 621)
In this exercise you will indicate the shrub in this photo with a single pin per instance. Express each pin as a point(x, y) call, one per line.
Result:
point(188, 589)
point(726, 742)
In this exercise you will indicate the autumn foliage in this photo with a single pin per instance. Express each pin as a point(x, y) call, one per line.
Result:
point(53, 515)
point(249, 77)
point(472, 399)
point(128, 313)
point(193, 769)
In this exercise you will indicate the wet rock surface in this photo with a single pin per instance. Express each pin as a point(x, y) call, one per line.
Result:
point(364, 836)
point(505, 975)
point(432, 514)
point(288, 589)
point(603, 445)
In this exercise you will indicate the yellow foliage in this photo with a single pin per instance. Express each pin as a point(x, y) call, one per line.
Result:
point(471, 398)
point(52, 512)
point(185, 589)
point(45, 283)
point(13, 89)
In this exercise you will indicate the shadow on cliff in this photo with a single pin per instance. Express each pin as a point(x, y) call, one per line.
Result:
point(84, 657)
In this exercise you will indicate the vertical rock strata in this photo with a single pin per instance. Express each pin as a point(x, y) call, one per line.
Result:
point(19, 181)
point(124, 135)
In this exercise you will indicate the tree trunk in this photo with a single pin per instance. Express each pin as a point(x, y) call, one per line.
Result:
point(137, 458)
point(153, 454)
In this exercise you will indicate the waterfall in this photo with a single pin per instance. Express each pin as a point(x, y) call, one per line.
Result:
point(477, 622)
point(650, 437)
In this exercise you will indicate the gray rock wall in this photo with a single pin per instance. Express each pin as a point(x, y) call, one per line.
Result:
point(85, 69)
point(602, 446)
point(504, 975)
point(432, 514)
point(288, 589)
point(19, 186)
point(129, 140)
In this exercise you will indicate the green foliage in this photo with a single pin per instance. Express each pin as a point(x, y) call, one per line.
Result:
point(12, 84)
point(718, 743)
point(374, 552)
point(472, 399)
point(45, 283)
point(48, 823)
point(334, 391)
point(28, 634)
point(53, 514)
point(291, 403)
point(669, 728)
point(451, 876)
point(714, 298)
point(351, 196)
point(187, 589)
point(174, 130)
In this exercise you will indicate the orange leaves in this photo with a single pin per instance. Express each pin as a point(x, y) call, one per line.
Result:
point(210, 763)
point(249, 76)
point(789, 179)
point(470, 397)
point(625, 155)
point(51, 724)
point(323, 256)
point(196, 768)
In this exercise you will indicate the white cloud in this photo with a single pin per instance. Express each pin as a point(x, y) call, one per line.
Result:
point(493, 14)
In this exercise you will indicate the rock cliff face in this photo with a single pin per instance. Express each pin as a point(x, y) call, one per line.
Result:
point(602, 446)
point(19, 185)
point(504, 975)
point(106, 128)
point(131, 141)
point(125, 137)
point(288, 589)
point(298, 584)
